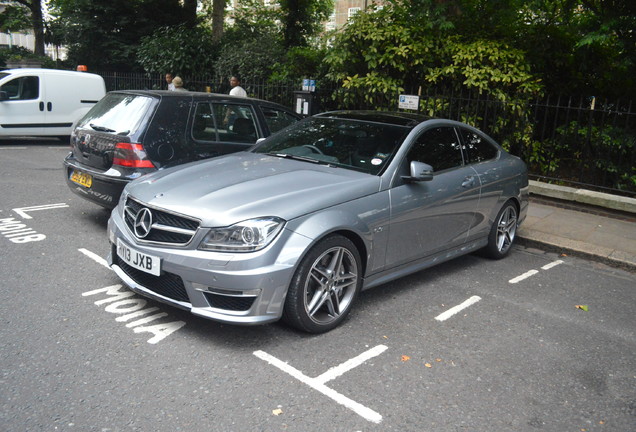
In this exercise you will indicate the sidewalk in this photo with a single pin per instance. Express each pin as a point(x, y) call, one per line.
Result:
point(561, 222)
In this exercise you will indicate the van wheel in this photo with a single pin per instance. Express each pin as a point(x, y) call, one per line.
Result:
point(503, 232)
point(324, 287)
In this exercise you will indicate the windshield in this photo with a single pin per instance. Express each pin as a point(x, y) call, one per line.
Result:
point(118, 113)
point(360, 145)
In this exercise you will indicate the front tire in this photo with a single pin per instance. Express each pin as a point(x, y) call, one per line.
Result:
point(325, 286)
point(503, 232)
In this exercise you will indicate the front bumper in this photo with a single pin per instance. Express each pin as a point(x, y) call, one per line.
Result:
point(247, 288)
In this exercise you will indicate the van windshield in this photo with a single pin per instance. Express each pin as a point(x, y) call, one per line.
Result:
point(118, 113)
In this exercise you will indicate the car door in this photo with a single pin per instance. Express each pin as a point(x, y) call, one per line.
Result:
point(428, 217)
point(482, 155)
point(23, 112)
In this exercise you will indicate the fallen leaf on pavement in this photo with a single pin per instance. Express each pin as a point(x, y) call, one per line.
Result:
point(582, 307)
point(428, 365)
point(277, 411)
point(406, 358)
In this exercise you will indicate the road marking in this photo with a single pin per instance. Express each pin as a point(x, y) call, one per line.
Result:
point(22, 211)
point(526, 275)
point(95, 257)
point(452, 311)
point(337, 371)
point(13, 148)
point(125, 302)
point(552, 264)
point(318, 383)
point(17, 232)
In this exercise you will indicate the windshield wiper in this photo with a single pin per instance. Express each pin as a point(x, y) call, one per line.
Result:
point(100, 128)
point(295, 157)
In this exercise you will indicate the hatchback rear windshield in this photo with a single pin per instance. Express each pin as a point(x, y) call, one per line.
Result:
point(118, 113)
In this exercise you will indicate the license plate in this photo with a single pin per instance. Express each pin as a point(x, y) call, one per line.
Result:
point(82, 178)
point(140, 261)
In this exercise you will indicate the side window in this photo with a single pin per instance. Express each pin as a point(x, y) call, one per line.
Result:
point(203, 128)
point(438, 147)
point(23, 88)
point(277, 119)
point(236, 123)
point(478, 149)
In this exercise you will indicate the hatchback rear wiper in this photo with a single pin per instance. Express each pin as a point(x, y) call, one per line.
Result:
point(100, 128)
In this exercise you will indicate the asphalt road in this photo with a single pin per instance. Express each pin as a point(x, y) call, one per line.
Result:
point(80, 353)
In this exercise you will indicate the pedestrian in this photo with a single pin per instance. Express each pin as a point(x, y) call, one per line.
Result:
point(169, 80)
point(237, 90)
point(178, 84)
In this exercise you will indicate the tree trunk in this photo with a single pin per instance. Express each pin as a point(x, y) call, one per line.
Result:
point(190, 7)
point(218, 16)
point(37, 21)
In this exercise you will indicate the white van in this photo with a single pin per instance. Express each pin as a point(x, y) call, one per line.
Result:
point(45, 102)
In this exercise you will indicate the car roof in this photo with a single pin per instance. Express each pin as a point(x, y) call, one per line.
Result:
point(194, 95)
point(386, 117)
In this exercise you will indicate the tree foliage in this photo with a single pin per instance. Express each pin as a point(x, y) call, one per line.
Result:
point(37, 22)
point(179, 49)
point(14, 18)
point(105, 34)
point(387, 51)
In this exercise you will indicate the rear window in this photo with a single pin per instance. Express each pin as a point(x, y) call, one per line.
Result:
point(118, 113)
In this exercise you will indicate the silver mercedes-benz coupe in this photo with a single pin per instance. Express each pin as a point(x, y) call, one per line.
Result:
point(299, 224)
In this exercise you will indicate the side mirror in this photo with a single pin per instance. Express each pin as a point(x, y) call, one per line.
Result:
point(419, 172)
point(4, 96)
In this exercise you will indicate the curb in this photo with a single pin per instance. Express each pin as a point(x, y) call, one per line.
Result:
point(584, 196)
point(561, 245)
point(550, 243)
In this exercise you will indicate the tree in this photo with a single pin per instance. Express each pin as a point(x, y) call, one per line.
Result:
point(303, 19)
point(14, 19)
point(105, 34)
point(37, 22)
point(180, 49)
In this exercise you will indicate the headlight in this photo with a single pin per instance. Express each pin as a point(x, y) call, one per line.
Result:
point(247, 236)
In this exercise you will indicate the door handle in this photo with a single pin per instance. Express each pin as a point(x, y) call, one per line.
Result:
point(49, 106)
point(41, 106)
point(468, 182)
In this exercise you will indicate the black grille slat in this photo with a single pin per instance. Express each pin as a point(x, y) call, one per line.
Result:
point(167, 284)
point(228, 302)
point(168, 220)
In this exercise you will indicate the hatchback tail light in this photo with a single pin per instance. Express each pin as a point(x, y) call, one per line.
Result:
point(131, 155)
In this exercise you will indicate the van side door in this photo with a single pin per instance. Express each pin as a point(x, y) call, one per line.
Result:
point(23, 110)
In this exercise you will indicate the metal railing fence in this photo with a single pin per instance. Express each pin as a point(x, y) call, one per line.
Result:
point(581, 141)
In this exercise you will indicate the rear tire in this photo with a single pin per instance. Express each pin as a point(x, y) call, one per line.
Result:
point(324, 287)
point(503, 232)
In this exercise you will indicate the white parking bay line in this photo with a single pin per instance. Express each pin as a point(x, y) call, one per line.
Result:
point(526, 275)
point(94, 257)
point(316, 384)
point(337, 371)
point(452, 311)
point(552, 264)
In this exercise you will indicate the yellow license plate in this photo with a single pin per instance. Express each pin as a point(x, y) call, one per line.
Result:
point(82, 178)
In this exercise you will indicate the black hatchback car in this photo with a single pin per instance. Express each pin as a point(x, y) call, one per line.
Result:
point(131, 133)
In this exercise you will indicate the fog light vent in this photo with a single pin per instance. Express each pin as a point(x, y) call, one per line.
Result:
point(232, 303)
